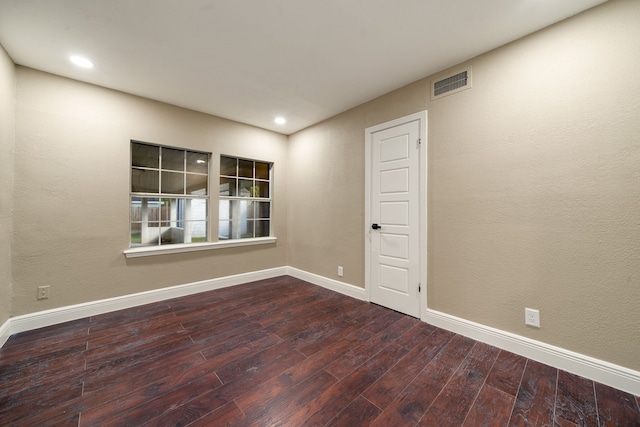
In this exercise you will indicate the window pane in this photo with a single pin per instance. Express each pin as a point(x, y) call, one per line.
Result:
point(197, 184)
point(144, 181)
point(246, 229)
point(262, 228)
point(172, 159)
point(195, 232)
point(146, 156)
point(264, 210)
point(224, 230)
point(136, 234)
point(224, 210)
point(262, 170)
point(171, 211)
point(144, 209)
point(227, 186)
point(246, 209)
point(152, 211)
point(172, 183)
point(197, 162)
point(171, 235)
point(149, 233)
point(262, 189)
point(196, 210)
point(247, 188)
point(136, 209)
point(245, 168)
point(228, 166)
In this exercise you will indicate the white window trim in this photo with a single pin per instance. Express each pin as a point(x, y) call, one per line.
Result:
point(192, 247)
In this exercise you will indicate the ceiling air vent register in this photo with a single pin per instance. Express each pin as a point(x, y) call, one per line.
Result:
point(452, 83)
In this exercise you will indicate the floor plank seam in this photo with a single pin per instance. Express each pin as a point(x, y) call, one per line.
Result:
point(515, 397)
point(597, 406)
point(484, 382)
point(449, 378)
point(555, 399)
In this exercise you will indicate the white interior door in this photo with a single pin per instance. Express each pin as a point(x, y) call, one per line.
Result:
point(394, 214)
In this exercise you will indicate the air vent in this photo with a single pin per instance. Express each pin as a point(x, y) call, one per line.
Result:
point(452, 83)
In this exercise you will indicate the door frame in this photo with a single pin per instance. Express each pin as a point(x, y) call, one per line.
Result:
point(421, 117)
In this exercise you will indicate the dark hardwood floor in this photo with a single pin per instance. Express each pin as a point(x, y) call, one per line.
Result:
point(284, 352)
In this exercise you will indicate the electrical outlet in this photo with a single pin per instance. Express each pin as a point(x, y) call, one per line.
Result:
point(532, 317)
point(340, 271)
point(43, 292)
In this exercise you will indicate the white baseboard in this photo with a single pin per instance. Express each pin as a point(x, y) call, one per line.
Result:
point(41, 319)
point(334, 285)
point(588, 367)
point(5, 332)
point(604, 372)
point(54, 316)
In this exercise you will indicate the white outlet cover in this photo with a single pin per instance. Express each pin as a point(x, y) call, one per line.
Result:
point(532, 317)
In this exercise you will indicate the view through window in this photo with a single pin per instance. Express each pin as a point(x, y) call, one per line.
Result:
point(245, 198)
point(169, 195)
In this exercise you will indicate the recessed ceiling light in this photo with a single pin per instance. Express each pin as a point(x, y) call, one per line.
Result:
point(280, 120)
point(81, 62)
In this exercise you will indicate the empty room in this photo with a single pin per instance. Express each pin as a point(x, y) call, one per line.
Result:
point(320, 213)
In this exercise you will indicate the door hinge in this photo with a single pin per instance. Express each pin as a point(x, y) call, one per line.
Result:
point(419, 287)
point(419, 141)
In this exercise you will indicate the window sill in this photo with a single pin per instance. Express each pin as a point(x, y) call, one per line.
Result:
point(192, 247)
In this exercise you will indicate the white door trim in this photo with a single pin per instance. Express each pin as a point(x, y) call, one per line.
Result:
point(422, 197)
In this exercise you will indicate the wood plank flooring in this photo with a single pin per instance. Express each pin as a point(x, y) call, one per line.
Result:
point(284, 352)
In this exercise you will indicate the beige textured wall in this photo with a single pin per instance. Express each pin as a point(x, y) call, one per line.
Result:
point(72, 191)
point(7, 143)
point(534, 187)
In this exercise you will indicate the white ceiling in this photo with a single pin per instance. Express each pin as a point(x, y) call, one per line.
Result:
point(252, 60)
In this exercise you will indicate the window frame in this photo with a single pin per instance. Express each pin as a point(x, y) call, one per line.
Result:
point(176, 248)
point(257, 219)
point(178, 202)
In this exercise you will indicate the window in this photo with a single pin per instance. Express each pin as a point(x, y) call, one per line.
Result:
point(245, 198)
point(169, 195)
